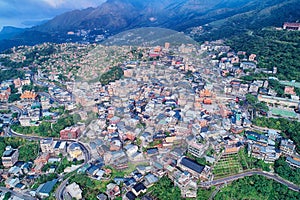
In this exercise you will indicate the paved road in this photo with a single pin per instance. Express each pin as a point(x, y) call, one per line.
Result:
point(33, 79)
point(20, 195)
point(60, 190)
point(86, 151)
point(251, 173)
point(19, 110)
point(47, 95)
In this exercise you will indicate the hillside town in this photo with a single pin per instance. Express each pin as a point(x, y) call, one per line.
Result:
point(185, 112)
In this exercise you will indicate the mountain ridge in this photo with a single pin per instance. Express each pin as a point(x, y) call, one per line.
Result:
point(115, 16)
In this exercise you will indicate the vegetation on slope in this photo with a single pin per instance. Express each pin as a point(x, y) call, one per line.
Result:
point(256, 187)
point(113, 74)
point(28, 151)
point(164, 189)
point(264, 14)
point(47, 129)
point(274, 48)
point(283, 169)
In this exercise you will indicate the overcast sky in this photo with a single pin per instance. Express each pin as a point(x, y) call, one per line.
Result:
point(23, 13)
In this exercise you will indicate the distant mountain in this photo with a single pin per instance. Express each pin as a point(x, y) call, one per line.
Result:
point(269, 13)
point(119, 15)
point(220, 18)
point(8, 32)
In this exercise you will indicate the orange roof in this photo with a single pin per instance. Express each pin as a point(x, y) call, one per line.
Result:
point(231, 149)
point(28, 95)
point(207, 101)
point(205, 93)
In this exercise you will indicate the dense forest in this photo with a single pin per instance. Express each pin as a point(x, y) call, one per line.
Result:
point(27, 150)
point(115, 73)
point(283, 169)
point(164, 189)
point(11, 74)
point(275, 48)
point(256, 187)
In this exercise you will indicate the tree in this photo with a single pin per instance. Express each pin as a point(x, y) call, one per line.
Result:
point(7, 196)
point(113, 74)
point(27, 87)
point(203, 194)
point(256, 187)
point(251, 99)
point(14, 97)
point(165, 190)
point(289, 129)
point(28, 151)
point(282, 168)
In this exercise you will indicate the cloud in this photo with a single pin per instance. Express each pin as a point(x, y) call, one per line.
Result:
point(72, 3)
point(14, 12)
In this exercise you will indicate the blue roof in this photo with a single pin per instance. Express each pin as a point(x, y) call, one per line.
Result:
point(74, 145)
point(152, 151)
point(129, 181)
point(291, 160)
point(19, 185)
point(151, 178)
point(130, 195)
point(139, 186)
point(191, 164)
point(57, 144)
point(48, 187)
point(158, 165)
point(119, 180)
point(204, 129)
point(92, 169)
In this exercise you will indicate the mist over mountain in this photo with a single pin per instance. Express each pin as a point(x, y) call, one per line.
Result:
point(220, 18)
point(119, 15)
point(9, 32)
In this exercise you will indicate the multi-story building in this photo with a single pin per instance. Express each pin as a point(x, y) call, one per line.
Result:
point(196, 149)
point(74, 191)
point(59, 147)
point(10, 156)
point(184, 181)
point(293, 161)
point(70, 133)
point(25, 120)
point(291, 26)
point(47, 145)
point(197, 170)
point(287, 147)
point(45, 103)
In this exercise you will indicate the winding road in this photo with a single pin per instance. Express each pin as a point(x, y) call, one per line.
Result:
point(60, 190)
point(85, 150)
point(87, 156)
point(269, 175)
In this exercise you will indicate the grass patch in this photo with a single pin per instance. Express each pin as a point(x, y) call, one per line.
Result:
point(227, 165)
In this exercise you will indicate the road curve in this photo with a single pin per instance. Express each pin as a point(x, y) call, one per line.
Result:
point(269, 175)
point(87, 156)
point(86, 151)
point(59, 191)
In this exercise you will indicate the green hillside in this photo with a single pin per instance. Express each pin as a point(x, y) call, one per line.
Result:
point(279, 48)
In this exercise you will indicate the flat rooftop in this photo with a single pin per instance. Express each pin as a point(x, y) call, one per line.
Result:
point(283, 113)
